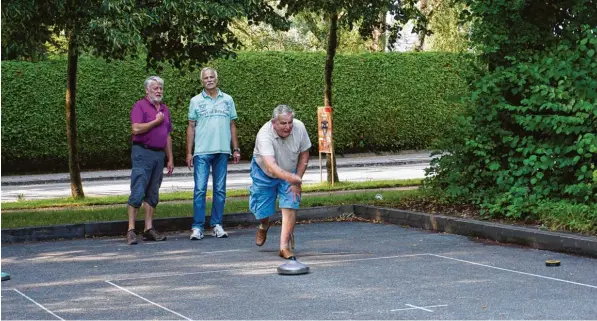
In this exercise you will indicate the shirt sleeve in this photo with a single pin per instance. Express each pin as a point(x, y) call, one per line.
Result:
point(192, 111)
point(233, 115)
point(305, 141)
point(137, 116)
point(265, 146)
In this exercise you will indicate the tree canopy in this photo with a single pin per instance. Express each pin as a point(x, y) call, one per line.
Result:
point(182, 33)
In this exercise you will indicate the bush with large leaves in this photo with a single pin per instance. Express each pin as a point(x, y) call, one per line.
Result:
point(532, 134)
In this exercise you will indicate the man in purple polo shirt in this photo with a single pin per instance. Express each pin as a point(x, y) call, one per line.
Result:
point(151, 127)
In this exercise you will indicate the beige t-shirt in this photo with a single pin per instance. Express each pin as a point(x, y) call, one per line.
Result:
point(285, 150)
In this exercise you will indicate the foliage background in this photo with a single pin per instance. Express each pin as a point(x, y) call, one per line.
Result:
point(384, 102)
point(529, 138)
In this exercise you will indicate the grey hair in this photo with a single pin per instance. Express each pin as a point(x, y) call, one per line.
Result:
point(209, 69)
point(282, 110)
point(157, 79)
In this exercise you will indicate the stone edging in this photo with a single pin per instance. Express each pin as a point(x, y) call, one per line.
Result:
point(544, 240)
point(503, 233)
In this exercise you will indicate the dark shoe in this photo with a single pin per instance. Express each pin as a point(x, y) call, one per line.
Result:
point(286, 254)
point(261, 236)
point(131, 237)
point(153, 235)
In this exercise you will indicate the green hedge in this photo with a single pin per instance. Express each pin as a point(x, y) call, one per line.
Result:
point(383, 102)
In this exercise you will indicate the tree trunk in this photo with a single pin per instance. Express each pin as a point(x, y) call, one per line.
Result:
point(76, 186)
point(329, 68)
point(427, 10)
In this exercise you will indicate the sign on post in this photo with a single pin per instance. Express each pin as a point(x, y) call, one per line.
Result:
point(324, 125)
point(325, 137)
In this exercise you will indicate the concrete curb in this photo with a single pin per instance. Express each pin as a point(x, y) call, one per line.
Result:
point(534, 238)
point(118, 228)
point(66, 179)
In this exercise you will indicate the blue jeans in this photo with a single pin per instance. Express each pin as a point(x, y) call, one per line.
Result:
point(219, 168)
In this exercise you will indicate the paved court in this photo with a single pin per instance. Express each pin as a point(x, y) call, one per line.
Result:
point(358, 271)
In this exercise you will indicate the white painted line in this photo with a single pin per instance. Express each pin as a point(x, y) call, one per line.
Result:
point(39, 305)
point(224, 251)
point(419, 308)
point(514, 271)
point(414, 307)
point(142, 298)
point(368, 259)
point(268, 267)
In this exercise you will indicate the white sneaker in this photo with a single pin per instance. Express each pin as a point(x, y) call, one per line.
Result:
point(197, 234)
point(219, 231)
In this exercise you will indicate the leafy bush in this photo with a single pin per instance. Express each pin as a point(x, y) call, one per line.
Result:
point(532, 133)
point(383, 102)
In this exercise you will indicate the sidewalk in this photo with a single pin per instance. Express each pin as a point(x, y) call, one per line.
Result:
point(347, 160)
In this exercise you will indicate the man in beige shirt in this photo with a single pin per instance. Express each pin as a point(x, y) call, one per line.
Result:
point(280, 159)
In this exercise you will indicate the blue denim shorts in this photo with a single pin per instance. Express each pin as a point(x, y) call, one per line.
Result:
point(264, 191)
point(146, 176)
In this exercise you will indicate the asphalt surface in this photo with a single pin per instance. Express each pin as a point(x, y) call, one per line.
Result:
point(358, 271)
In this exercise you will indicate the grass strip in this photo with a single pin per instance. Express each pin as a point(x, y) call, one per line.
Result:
point(105, 214)
point(188, 195)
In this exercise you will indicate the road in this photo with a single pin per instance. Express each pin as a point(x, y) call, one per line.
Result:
point(234, 181)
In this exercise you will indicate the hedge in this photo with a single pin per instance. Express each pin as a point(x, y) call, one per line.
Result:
point(383, 102)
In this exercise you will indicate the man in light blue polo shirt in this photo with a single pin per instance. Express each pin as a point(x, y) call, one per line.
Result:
point(211, 129)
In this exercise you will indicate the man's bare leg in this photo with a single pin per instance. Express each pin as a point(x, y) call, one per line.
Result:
point(132, 216)
point(149, 212)
point(288, 222)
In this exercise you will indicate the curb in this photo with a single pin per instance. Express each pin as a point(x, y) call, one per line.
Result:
point(534, 238)
point(502, 233)
point(190, 174)
point(175, 224)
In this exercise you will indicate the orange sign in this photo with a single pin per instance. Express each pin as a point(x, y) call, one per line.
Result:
point(324, 129)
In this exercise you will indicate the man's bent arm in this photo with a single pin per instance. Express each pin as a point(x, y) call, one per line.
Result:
point(142, 128)
point(302, 163)
point(277, 171)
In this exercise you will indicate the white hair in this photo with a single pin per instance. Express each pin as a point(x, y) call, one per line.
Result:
point(282, 110)
point(209, 69)
point(157, 79)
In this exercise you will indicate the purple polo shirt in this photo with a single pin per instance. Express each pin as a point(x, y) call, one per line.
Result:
point(143, 112)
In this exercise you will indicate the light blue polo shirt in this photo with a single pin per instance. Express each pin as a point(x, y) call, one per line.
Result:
point(212, 116)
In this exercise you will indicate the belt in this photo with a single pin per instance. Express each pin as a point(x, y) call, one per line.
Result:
point(148, 147)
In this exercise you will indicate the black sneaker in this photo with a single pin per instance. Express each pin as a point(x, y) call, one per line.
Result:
point(153, 235)
point(131, 237)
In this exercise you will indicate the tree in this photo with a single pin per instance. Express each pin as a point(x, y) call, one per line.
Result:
point(308, 32)
point(366, 16)
point(183, 33)
point(529, 137)
point(449, 33)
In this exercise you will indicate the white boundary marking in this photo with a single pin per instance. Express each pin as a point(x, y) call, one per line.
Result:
point(414, 307)
point(39, 305)
point(147, 300)
point(223, 251)
point(365, 259)
point(514, 271)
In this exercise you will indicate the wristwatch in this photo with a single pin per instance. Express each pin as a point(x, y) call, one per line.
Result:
point(236, 150)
